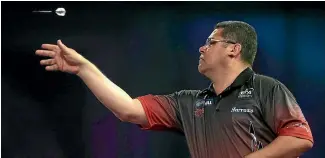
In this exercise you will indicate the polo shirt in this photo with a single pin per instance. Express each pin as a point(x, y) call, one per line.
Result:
point(245, 117)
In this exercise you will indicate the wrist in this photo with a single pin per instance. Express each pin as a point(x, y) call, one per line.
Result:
point(83, 68)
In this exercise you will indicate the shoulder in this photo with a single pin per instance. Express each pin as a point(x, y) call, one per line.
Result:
point(186, 96)
point(176, 95)
point(265, 81)
point(266, 85)
point(188, 92)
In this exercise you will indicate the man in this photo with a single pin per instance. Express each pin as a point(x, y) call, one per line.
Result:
point(241, 114)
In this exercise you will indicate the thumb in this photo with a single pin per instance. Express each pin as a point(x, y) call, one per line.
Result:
point(63, 47)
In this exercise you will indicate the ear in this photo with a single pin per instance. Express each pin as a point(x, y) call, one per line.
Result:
point(235, 50)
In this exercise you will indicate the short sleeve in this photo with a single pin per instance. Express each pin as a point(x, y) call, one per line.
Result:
point(162, 111)
point(283, 114)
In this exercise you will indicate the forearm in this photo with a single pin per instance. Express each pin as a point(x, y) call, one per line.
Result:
point(283, 147)
point(108, 93)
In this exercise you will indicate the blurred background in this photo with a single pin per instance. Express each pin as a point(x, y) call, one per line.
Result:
point(144, 47)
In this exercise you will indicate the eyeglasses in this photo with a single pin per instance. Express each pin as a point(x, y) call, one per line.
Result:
point(211, 41)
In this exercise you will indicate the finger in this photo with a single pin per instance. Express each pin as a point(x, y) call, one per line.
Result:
point(48, 62)
point(45, 53)
point(63, 47)
point(50, 46)
point(52, 68)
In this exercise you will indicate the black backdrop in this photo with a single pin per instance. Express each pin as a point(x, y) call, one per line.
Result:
point(144, 48)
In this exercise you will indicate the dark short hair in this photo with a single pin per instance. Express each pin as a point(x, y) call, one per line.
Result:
point(241, 33)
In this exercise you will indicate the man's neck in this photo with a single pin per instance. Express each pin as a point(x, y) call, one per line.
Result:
point(224, 78)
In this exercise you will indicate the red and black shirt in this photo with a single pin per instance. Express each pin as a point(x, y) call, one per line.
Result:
point(246, 117)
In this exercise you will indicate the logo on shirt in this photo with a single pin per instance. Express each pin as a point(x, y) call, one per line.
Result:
point(299, 125)
point(255, 143)
point(234, 109)
point(199, 112)
point(247, 93)
point(200, 104)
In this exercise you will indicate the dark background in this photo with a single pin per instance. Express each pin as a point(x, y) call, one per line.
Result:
point(144, 48)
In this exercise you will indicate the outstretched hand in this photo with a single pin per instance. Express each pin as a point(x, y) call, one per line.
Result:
point(62, 58)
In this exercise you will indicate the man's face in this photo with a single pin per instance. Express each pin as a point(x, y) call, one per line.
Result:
point(214, 53)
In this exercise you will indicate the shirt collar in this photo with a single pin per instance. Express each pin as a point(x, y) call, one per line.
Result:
point(240, 80)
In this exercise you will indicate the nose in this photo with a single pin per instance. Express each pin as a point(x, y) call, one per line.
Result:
point(202, 49)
